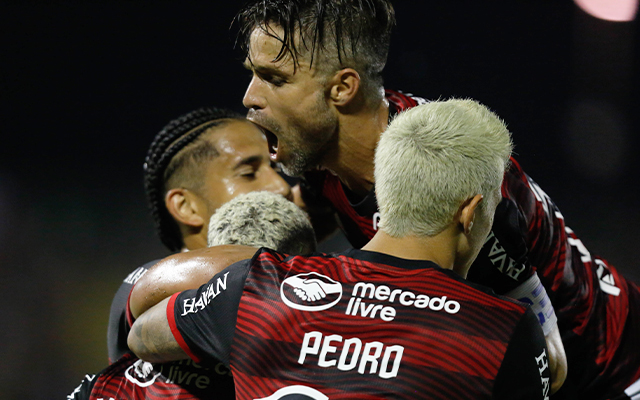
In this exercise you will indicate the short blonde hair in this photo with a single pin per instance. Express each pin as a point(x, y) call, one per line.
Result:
point(262, 219)
point(432, 158)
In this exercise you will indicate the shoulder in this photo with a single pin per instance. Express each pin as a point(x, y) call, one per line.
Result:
point(402, 101)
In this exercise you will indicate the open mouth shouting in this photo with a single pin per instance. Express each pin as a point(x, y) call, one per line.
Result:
point(272, 139)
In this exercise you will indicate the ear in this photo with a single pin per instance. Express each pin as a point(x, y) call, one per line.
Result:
point(344, 86)
point(467, 213)
point(185, 207)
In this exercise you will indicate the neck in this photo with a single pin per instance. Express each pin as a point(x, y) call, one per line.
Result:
point(440, 249)
point(357, 141)
point(194, 241)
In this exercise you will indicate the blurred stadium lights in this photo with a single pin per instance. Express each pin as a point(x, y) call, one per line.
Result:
point(610, 10)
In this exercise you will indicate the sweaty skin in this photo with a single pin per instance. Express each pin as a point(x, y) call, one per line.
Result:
point(286, 100)
point(183, 271)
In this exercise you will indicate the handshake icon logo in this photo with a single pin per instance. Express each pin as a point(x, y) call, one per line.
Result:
point(310, 292)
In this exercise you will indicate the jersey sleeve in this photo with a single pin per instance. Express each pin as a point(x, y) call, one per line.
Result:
point(203, 320)
point(83, 391)
point(524, 373)
point(118, 328)
point(546, 236)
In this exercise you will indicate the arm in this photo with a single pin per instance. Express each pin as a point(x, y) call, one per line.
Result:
point(525, 370)
point(151, 338)
point(196, 323)
point(523, 234)
point(533, 293)
point(557, 359)
point(181, 272)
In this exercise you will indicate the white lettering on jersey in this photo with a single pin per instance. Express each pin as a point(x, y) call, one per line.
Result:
point(187, 373)
point(585, 256)
point(72, 396)
point(543, 364)
point(605, 277)
point(501, 260)
point(364, 290)
point(305, 391)
point(541, 196)
point(376, 221)
point(133, 277)
point(607, 283)
point(372, 358)
point(195, 304)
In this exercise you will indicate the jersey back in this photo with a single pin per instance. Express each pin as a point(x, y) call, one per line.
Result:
point(598, 310)
point(345, 328)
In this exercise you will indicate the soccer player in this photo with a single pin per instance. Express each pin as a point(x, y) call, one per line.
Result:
point(252, 219)
point(195, 164)
point(317, 91)
point(394, 320)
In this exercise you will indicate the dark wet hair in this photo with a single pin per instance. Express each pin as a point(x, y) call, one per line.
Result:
point(357, 30)
point(158, 167)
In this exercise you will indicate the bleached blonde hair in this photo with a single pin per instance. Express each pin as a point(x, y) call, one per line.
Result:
point(432, 158)
point(262, 219)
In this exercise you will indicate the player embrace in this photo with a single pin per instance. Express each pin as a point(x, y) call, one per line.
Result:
point(439, 169)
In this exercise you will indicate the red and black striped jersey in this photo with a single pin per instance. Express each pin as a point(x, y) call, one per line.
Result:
point(133, 379)
point(360, 325)
point(129, 378)
point(598, 310)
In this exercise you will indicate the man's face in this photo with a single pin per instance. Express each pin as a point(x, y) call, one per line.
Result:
point(289, 103)
point(243, 165)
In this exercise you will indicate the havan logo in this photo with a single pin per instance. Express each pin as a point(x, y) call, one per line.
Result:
point(310, 292)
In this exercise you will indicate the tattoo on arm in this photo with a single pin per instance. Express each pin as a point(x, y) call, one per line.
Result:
point(151, 338)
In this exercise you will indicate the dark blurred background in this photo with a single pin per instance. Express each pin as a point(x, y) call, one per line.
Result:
point(86, 85)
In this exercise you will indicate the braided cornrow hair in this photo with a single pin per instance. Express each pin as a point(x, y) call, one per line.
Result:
point(167, 143)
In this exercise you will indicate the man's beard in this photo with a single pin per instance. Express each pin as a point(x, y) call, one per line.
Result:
point(301, 161)
point(314, 142)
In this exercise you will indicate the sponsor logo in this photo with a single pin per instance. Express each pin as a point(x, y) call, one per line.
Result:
point(195, 304)
point(314, 292)
point(368, 291)
point(310, 292)
point(141, 373)
point(369, 357)
point(296, 392)
point(543, 364)
point(189, 373)
point(133, 277)
point(501, 260)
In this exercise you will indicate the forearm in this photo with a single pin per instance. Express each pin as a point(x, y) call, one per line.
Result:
point(181, 272)
point(532, 292)
point(151, 339)
point(557, 359)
